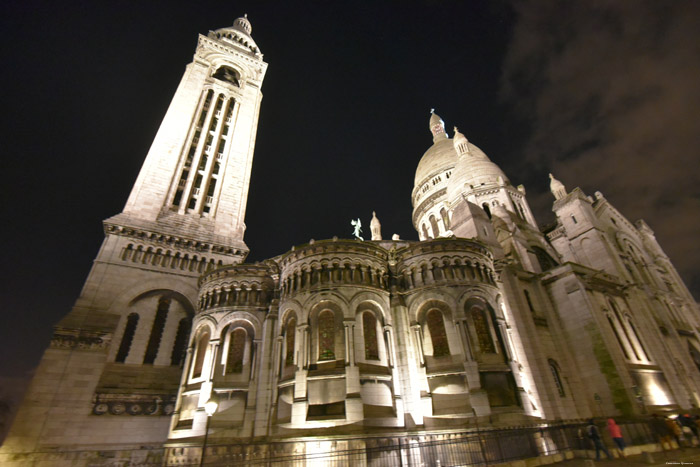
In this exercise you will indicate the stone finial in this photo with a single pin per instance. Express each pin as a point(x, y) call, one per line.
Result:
point(558, 189)
point(395, 237)
point(375, 227)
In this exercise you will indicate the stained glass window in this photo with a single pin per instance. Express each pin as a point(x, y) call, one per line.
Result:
point(436, 326)
point(483, 333)
point(236, 351)
point(326, 335)
point(289, 337)
point(369, 329)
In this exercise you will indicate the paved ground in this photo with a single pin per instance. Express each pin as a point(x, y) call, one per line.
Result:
point(687, 456)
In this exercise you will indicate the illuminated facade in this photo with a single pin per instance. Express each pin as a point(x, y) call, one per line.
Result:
point(486, 317)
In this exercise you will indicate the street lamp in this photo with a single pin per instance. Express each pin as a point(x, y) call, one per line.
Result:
point(210, 408)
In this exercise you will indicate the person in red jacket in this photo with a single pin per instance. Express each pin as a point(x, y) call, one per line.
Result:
point(616, 435)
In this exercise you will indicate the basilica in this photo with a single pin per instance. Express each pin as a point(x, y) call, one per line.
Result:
point(486, 319)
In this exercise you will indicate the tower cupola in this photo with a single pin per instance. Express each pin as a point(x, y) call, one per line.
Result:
point(473, 172)
point(460, 143)
point(239, 36)
point(437, 127)
point(556, 187)
point(242, 24)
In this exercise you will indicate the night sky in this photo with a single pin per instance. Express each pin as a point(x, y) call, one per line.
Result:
point(606, 95)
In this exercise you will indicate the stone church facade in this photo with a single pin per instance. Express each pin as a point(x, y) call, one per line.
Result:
point(486, 318)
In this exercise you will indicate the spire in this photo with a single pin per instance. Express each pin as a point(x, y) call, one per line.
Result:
point(375, 227)
point(558, 189)
point(460, 143)
point(437, 127)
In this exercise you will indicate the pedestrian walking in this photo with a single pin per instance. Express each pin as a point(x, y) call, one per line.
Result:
point(594, 435)
point(616, 435)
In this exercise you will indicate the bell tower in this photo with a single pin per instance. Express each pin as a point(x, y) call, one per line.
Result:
point(113, 367)
point(195, 178)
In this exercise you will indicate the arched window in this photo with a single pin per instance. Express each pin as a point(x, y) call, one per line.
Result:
point(434, 226)
point(637, 338)
point(554, 368)
point(545, 260)
point(157, 331)
point(183, 332)
point(425, 232)
point(290, 331)
point(236, 351)
point(481, 326)
point(200, 353)
point(369, 330)
point(617, 336)
point(326, 335)
point(436, 327)
point(227, 74)
point(129, 330)
point(486, 208)
point(445, 218)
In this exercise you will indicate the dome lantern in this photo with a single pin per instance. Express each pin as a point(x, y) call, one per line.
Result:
point(242, 24)
point(437, 127)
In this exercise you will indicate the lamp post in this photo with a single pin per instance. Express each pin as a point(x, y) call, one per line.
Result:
point(210, 408)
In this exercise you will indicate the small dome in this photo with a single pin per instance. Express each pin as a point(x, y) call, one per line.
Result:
point(472, 171)
point(238, 35)
point(242, 24)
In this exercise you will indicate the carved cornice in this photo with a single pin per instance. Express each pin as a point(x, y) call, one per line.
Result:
point(327, 249)
point(556, 233)
point(174, 241)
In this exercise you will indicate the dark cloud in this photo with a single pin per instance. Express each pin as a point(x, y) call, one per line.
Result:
point(610, 91)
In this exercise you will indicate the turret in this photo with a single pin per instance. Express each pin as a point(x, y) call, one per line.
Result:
point(375, 227)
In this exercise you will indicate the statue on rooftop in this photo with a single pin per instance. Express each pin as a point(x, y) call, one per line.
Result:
point(357, 224)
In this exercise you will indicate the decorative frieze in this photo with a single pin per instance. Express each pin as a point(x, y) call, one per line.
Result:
point(80, 339)
point(133, 404)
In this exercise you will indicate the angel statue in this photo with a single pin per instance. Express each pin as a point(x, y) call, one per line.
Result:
point(358, 229)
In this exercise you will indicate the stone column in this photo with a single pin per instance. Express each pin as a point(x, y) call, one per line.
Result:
point(277, 357)
point(463, 331)
point(390, 351)
point(419, 343)
point(304, 350)
point(349, 343)
point(254, 361)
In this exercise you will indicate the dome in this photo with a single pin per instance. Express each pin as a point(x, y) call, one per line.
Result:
point(474, 169)
point(440, 157)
